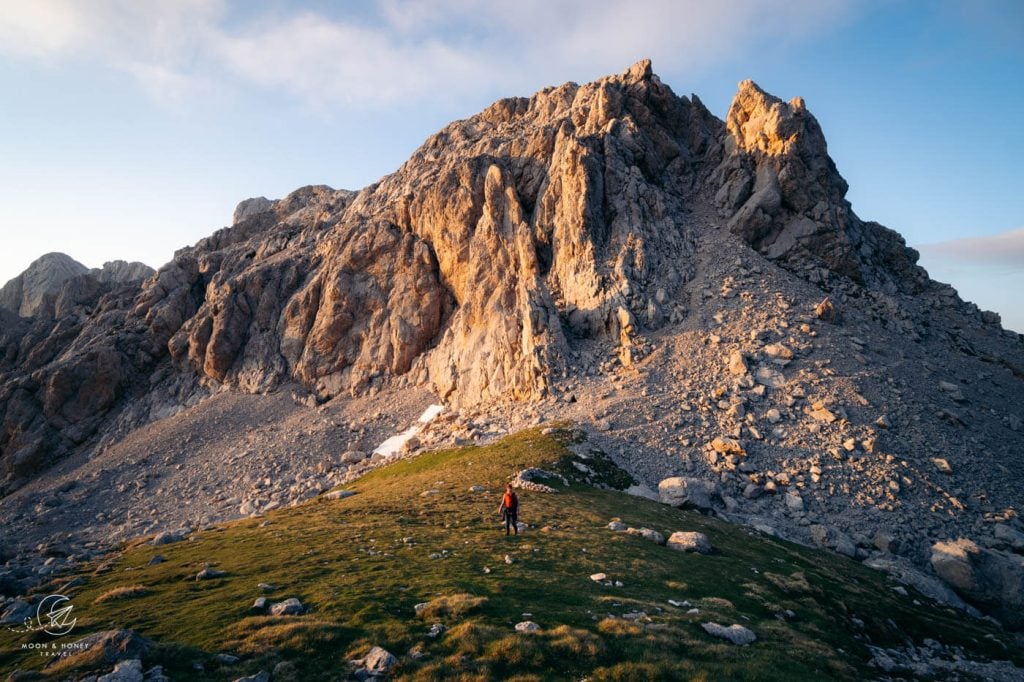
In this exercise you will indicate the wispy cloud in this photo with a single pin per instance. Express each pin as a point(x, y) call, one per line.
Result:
point(324, 61)
point(159, 44)
point(396, 49)
point(1003, 249)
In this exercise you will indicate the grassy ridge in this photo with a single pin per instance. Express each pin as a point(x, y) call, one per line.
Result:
point(361, 564)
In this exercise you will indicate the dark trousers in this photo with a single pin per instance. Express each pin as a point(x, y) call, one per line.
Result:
point(510, 521)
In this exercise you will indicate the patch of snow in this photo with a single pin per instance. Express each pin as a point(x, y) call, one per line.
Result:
point(392, 446)
point(431, 412)
point(642, 491)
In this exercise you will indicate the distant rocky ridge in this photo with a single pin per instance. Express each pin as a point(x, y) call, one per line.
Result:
point(698, 289)
point(36, 290)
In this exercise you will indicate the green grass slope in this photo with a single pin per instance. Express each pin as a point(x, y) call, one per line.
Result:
point(361, 564)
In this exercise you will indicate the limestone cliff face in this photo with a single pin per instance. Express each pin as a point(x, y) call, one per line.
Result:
point(560, 214)
point(473, 269)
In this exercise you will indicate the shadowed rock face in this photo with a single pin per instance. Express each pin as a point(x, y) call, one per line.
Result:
point(26, 294)
point(471, 270)
point(55, 279)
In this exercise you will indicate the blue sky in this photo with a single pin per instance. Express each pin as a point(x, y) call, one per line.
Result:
point(129, 129)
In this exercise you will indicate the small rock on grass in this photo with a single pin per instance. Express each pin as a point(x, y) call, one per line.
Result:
point(209, 573)
point(527, 626)
point(168, 537)
point(260, 603)
point(288, 607)
point(737, 634)
point(647, 534)
point(377, 661)
point(156, 674)
point(285, 671)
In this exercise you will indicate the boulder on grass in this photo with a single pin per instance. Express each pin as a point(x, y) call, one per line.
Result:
point(689, 541)
point(683, 491)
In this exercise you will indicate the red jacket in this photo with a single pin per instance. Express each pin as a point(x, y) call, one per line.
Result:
point(510, 502)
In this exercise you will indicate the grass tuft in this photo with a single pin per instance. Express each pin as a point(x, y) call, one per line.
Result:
point(575, 642)
point(286, 635)
point(452, 606)
point(126, 592)
point(617, 627)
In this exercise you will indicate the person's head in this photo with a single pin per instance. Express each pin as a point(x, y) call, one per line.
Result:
point(508, 487)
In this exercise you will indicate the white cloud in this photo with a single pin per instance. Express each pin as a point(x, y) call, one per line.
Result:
point(159, 44)
point(324, 61)
point(40, 29)
point(1002, 249)
point(397, 49)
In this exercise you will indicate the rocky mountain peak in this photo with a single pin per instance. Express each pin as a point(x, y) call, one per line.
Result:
point(639, 71)
point(541, 237)
point(760, 122)
point(26, 294)
point(42, 285)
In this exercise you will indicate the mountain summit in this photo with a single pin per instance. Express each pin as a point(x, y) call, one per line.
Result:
point(699, 290)
point(37, 290)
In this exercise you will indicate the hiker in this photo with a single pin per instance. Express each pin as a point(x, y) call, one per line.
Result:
point(509, 509)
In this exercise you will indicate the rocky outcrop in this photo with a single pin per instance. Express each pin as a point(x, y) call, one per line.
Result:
point(991, 580)
point(781, 192)
point(122, 271)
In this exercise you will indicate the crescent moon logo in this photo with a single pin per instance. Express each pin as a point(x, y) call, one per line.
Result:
point(54, 615)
